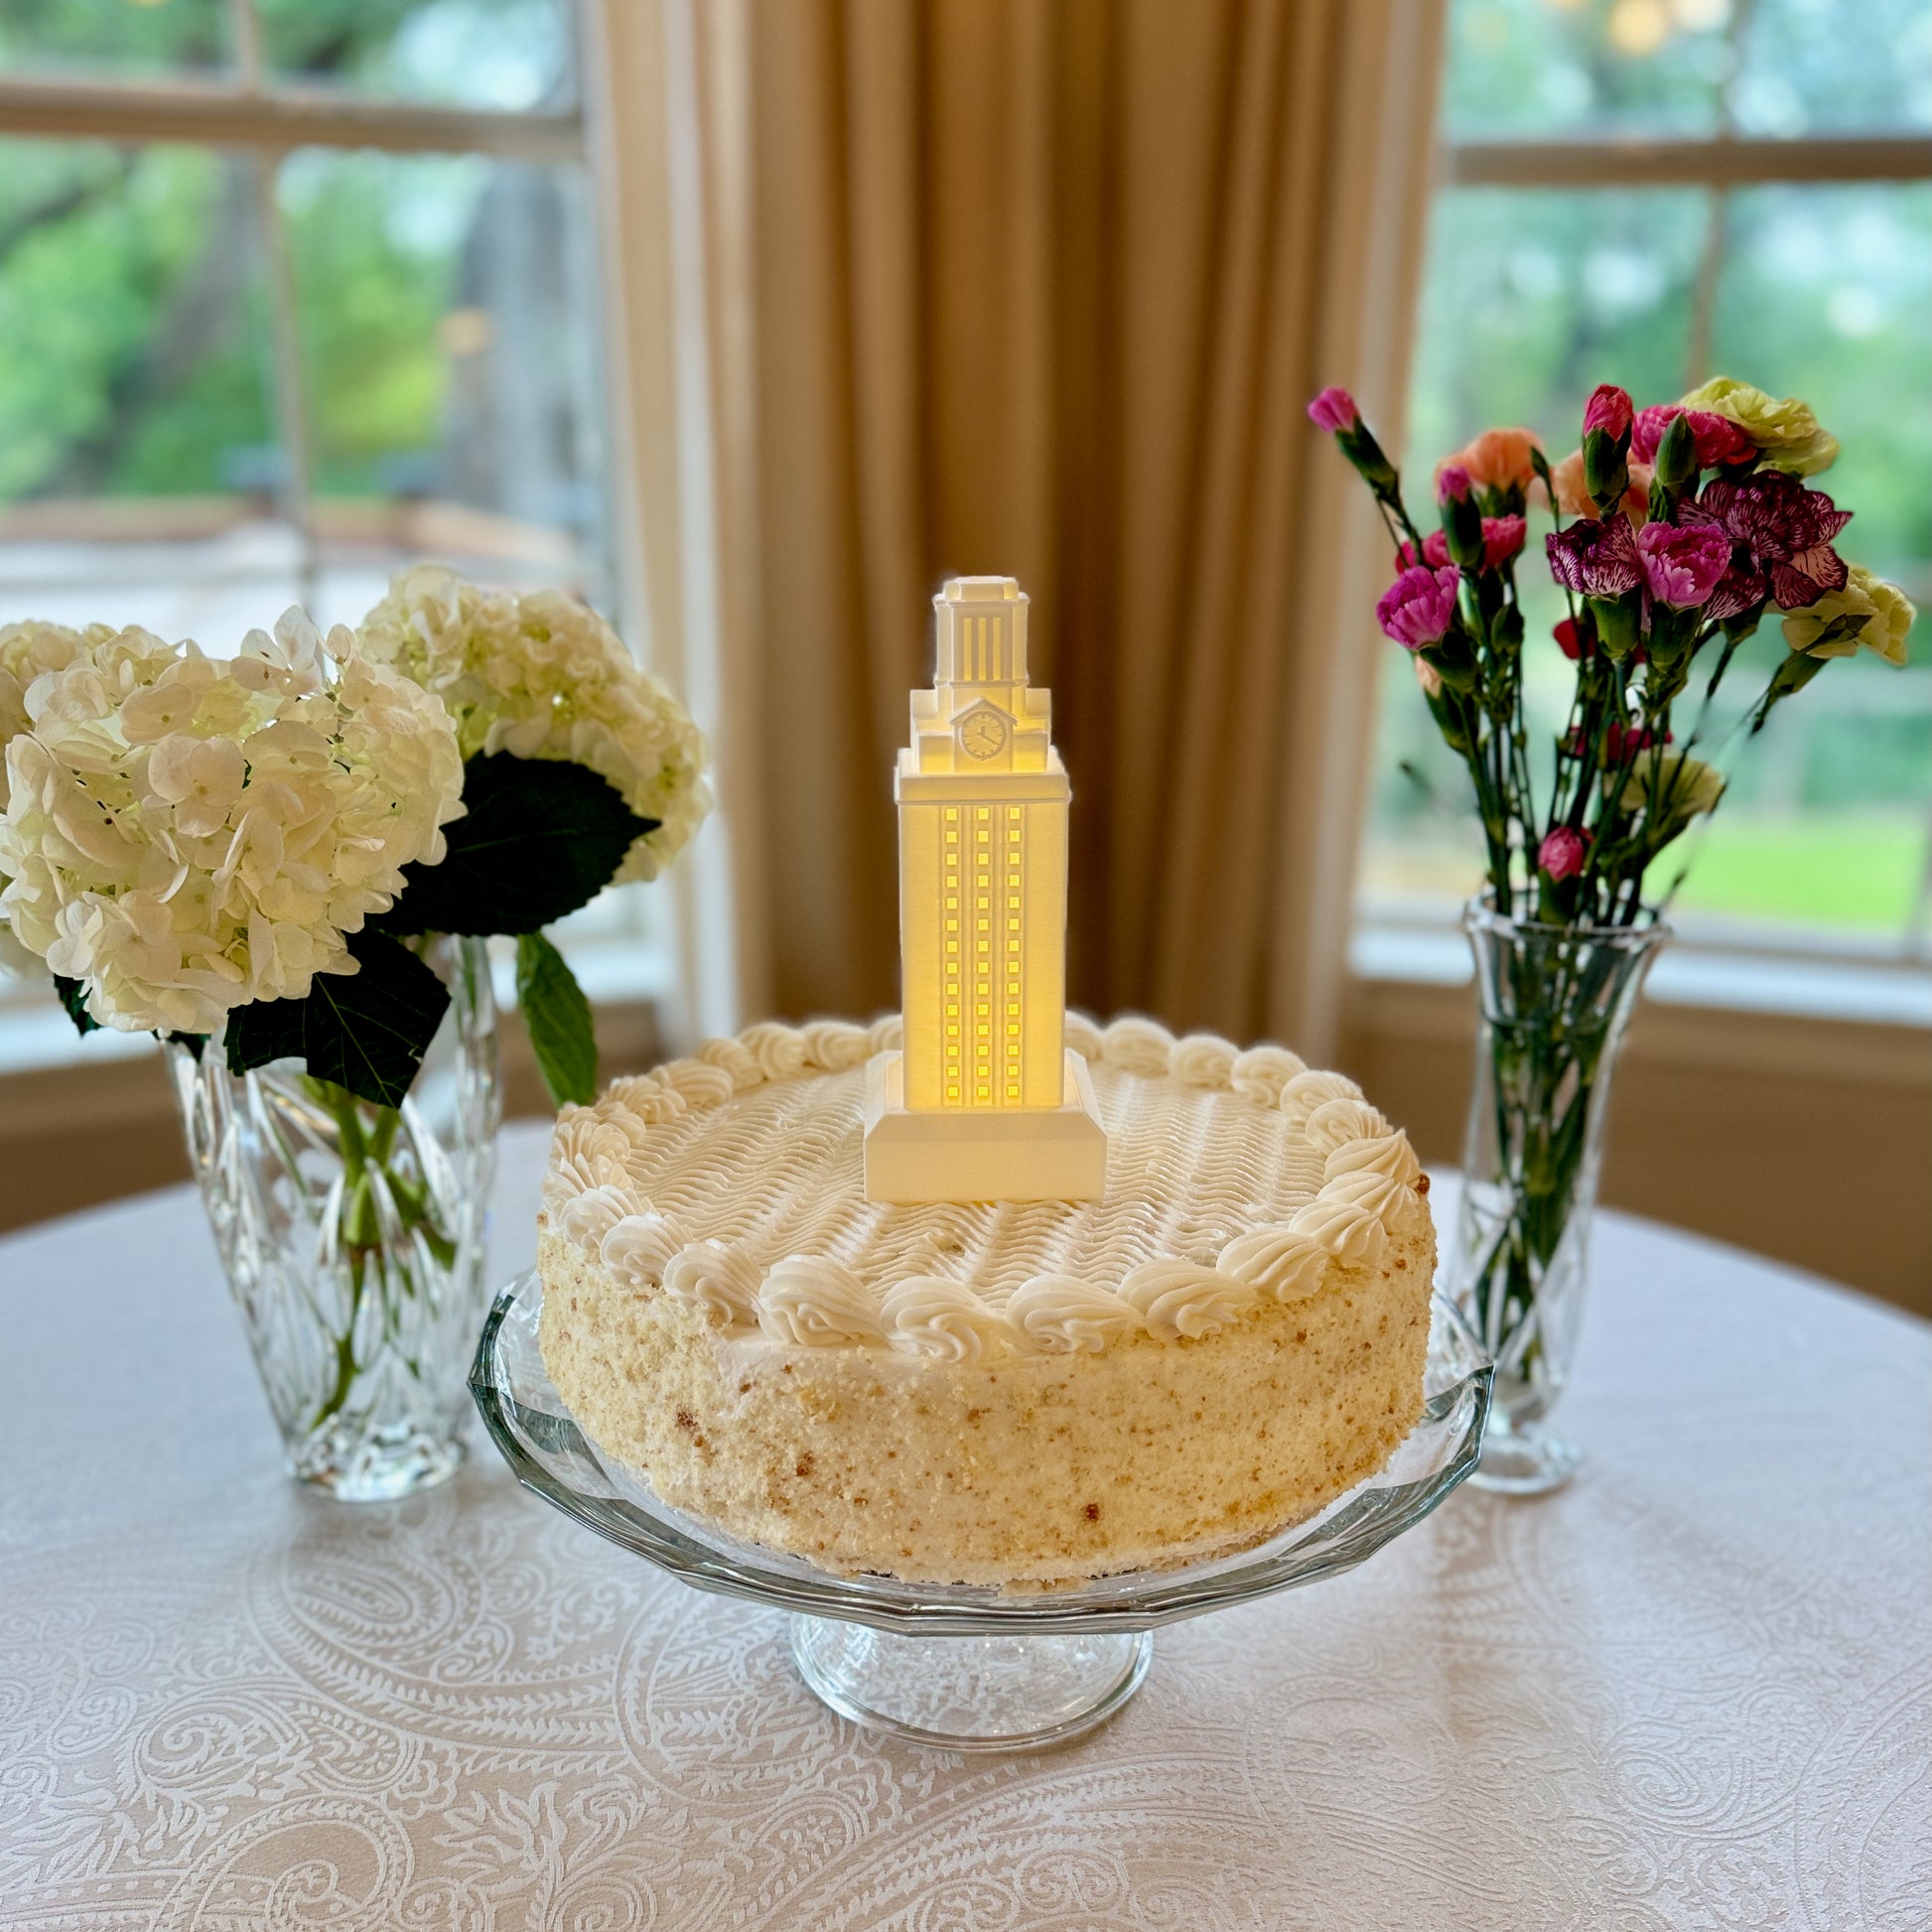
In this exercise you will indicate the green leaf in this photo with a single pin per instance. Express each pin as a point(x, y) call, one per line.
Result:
point(559, 1018)
point(365, 1031)
point(73, 996)
point(192, 1042)
point(540, 838)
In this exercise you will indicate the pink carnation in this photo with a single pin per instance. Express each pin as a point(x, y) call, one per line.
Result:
point(1719, 439)
point(1561, 855)
point(1332, 410)
point(1452, 483)
point(1418, 608)
point(1435, 552)
point(1608, 409)
point(1681, 562)
point(1502, 538)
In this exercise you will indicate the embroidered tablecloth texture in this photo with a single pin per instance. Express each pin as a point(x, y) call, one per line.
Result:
point(1694, 1690)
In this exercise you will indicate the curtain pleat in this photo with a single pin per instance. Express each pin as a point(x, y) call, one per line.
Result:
point(1037, 291)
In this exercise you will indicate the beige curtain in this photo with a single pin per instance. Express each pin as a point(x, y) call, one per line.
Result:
point(1040, 287)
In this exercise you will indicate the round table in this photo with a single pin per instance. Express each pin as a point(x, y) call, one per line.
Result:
point(1693, 1689)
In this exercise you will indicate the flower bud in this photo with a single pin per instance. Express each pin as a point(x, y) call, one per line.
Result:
point(1333, 410)
point(1677, 454)
point(1610, 410)
point(1606, 473)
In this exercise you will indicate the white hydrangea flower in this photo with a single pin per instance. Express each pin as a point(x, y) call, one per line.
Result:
point(188, 835)
point(540, 675)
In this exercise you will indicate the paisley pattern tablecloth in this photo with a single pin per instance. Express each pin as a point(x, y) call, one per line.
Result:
point(1695, 1690)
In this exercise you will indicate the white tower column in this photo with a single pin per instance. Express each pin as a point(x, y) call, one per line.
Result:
point(984, 1102)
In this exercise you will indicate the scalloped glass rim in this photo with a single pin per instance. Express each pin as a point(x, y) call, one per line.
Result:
point(551, 1454)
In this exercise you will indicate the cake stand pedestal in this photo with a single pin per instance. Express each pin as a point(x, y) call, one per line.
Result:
point(956, 1667)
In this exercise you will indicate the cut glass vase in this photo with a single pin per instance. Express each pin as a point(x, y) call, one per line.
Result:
point(1553, 1005)
point(353, 1236)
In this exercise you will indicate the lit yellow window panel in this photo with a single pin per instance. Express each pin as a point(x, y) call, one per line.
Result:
point(1012, 812)
point(952, 1030)
point(952, 1011)
point(986, 926)
point(952, 925)
point(1012, 924)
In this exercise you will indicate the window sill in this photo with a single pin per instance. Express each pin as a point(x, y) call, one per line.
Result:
point(1685, 974)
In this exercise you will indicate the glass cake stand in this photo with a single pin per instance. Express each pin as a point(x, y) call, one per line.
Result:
point(963, 1668)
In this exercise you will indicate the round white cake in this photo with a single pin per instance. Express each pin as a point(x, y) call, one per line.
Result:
point(1015, 1394)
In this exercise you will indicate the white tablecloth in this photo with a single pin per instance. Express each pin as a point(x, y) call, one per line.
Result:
point(1693, 1690)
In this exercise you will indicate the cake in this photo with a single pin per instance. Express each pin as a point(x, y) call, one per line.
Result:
point(1009, 1393)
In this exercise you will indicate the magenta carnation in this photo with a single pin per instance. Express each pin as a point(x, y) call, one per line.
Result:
point(1418, 608)
point(1502, 538)
point(1595, 559)
point(1608, 409)
point(1332, 410)
point(1719, 439)
point(1435, 551)
point(1451, 484)
point(1681, 562)
point(1561, 855)
point(1787, 530)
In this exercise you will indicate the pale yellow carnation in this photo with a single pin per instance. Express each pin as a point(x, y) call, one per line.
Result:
point(1887, 610)
point(188, 835)
point(1786, 433)
point(540, 675)
point(1685, 786)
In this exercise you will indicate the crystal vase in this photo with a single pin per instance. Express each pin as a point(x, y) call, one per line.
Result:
point(1554, 1003)
point(353, 1235)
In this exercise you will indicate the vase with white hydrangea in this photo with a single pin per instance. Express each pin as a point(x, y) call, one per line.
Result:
point(287, 865)
point(1679, 531)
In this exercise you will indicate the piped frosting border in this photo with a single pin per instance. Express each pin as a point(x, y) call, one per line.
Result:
point(1370, 1177)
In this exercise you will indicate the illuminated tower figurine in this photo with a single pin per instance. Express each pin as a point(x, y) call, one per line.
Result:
point(984, 1102)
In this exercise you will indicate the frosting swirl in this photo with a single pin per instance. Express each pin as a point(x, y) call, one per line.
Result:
point(1387, 1154)
point(1180, 1298)
point(651, 1098)
point(1262, 1072)
point(1351, 1231)
point(735, 1058)
point(1288, 1266)
point(636, 1249)
point(703, 1083)
point(1307, 1091)
point(1061, 1313)
point(1202, 1060)
point(778, 1050)
point(886, 1034)
point(714, 1279)
point(836, 1043)
point(944, 1319)
point(588, 1217)
point(1346, 1119)
point(1136, 1044)
point(814, 1304)
point(1081, 1035)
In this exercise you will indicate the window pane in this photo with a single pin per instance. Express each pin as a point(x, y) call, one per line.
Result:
point(449, 357)
point(130, 324)
point(1812, 66)
point(500, 54)
point(1560, 67)
point(112, 39)
point(1827, 294)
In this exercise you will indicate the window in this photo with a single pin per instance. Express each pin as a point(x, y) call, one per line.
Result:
point(293, 294)
point(1650, 191)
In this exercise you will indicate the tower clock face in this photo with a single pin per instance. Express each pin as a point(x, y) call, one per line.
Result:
point(984, 734)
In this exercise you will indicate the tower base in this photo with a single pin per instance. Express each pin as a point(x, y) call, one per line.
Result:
point(979, 1154)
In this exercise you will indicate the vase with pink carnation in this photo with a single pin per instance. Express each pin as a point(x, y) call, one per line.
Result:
point(1679, 531)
